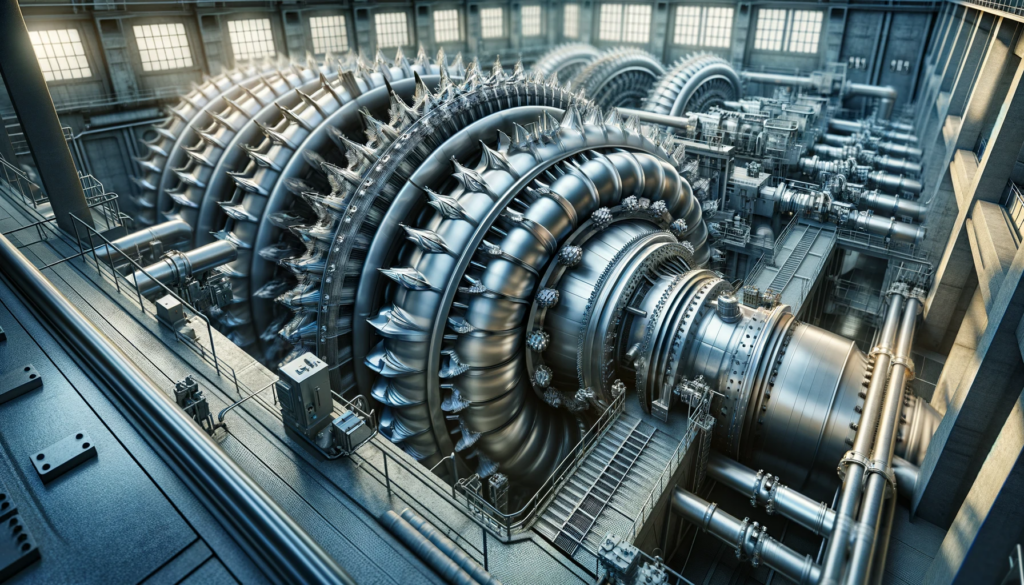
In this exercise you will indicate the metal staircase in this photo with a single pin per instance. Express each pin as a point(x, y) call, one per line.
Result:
point(609, 488)
point(796, 257)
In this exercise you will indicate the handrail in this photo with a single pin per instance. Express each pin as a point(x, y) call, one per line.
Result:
point(271, 538)
point(518, 521)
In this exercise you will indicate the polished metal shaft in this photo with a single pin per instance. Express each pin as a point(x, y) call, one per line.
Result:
point(864, 439)
point(749, 539)
point(765, 490)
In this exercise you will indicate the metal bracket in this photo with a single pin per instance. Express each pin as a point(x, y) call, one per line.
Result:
point(851, 457)
point(17, 547)
point(907, 363)
point(883, 469)
point(18, 382)
point(63, 456)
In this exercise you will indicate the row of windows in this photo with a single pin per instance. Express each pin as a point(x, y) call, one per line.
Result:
point(799, 31)
point(165, 46)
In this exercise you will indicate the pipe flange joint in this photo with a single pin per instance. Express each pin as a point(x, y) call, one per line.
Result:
point(708, 513)
point(882, 468)
point(906, 362)
point(880, 350)
point(851, 457)
point(741, 540)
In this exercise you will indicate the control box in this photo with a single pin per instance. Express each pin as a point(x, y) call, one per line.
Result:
point(305, 394)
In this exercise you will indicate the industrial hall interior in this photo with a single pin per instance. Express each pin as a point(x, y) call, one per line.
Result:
point(613, 292)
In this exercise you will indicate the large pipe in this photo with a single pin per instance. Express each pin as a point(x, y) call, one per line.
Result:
point(765, 490)
point(269, 536)
point(421, 546)
point(449, 548)
point(777, 79)
point(176, 267)
point(865, 535)
point(884, 162)
point(856, 460)
point(652, 118)
point(748, 538)
point(890, 204)
point(856, 127)
point(167, 233)
point(903, 150)
point(886, 96)
point(894, 183)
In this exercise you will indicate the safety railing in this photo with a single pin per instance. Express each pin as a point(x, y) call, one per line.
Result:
point(120, 279)
point(665, 480)
point(506, 525)
point(881, 244)
point(1014, 8)
point(19, 184)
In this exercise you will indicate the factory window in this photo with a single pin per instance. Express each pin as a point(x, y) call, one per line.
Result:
point(717, 27)
point(771, 28)
point(804, 31)
point(531, 20)
point(392, 29)
point(251, 39)
point(630, 23)
point(492, 23)
point(687, 25)
point(329, 34)
point(60, 53)
point(163, 46)
point(571, 21)
point(446, 26)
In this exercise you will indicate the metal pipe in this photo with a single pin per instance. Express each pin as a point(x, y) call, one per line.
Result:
point(421, 546)
point(449, 548)
point(887, 227)
point(890, 204)
point(892, 148)
point(765, 489)
point(269, 536)
point(907, 475)
point(777, 79)
point(894, 183)
point(176, 267)
point(900, 166)
point(864, 438)
point(880, 480)
point(652, 118)
point(886, 95)
point(167, 233)
point(748, 538)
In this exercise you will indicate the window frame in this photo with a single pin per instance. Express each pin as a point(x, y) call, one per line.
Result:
point(459, 24)
point(786, 39)
point(249, 17)
point(89, 59)
point(622, 14)
point(410, 38)
point(540, 21)
point(503, 24)
point(575, 20)
point(189, 40)
point(345, 26)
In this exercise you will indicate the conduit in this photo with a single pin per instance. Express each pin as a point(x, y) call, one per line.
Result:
point(748, 538)
point(449, 548)
point(437, 559)
point(765, 490)
point(269, 536)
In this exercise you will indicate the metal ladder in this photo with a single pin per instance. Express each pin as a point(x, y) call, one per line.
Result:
point(582, 519)
point(789, 268)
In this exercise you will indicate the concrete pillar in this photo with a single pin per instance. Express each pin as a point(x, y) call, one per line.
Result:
point(118, 57)
point(991, 520)
point(990, 380)
point(969, 65)
point(6, 148)
point(34, 108)
point(836, 26)
point(743, 35)
point(994, 78)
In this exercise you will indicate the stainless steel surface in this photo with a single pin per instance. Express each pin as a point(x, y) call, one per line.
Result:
point(766, 490)
point(564, 62)
point(750, 541)
point(176, 267)
point(167, 233)
point(880, 482)
point(855, 462)
point(272, 539)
